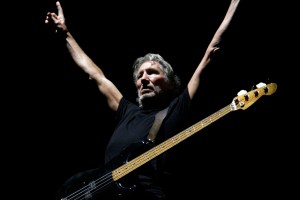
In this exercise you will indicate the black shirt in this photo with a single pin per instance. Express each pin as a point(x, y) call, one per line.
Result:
point(133, 126)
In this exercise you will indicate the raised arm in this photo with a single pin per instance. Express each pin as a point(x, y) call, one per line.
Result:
point(213, 46)
point(106, 87)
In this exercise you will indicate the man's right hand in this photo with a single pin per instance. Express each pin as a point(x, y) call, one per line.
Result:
point(57, 21)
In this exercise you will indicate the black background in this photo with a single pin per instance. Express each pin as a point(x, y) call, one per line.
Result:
point(58, 123)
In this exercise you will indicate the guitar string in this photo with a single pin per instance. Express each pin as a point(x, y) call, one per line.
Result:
point(107, 179)
point(89, 189)
point(195, 128)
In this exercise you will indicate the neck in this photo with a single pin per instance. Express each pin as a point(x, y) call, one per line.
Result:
point(154, 103)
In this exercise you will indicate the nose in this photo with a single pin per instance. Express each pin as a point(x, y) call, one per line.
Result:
point(145, 79)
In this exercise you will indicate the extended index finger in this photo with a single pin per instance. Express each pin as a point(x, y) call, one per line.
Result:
point(59, 9)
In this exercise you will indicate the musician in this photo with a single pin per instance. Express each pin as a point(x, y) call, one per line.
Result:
point(158, 88)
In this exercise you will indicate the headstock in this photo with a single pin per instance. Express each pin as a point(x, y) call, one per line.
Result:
point(245, 99)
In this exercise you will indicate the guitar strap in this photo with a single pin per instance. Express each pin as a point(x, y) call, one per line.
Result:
point(159, 117)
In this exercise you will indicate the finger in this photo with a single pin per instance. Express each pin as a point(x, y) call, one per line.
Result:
point(47, 19)
point(54, 17)
point(59, 9)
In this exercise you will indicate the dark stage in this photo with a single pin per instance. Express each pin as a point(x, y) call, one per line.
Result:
point(61, 123)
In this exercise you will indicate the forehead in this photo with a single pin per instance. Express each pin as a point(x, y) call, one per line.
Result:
point(150, 65)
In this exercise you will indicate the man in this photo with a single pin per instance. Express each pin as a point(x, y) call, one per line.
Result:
point(158, 89)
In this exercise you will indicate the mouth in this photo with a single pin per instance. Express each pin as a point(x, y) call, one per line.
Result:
point(145, 91)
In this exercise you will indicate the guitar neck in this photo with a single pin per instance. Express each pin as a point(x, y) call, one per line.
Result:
point(164, 146)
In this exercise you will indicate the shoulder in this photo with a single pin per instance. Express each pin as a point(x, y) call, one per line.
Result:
point(126, 106)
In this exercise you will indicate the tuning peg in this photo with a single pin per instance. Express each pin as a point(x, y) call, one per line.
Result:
point(260, 85)
point(242, 93)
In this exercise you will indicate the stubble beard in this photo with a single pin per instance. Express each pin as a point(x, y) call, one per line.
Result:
point(147, 99)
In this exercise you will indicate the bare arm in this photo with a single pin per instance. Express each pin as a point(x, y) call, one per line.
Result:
point(106, 87)
point(213, 46)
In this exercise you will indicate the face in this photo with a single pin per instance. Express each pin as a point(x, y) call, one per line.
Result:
point(151, 80)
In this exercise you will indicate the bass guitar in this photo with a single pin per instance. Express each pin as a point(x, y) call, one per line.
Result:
point(106, 182)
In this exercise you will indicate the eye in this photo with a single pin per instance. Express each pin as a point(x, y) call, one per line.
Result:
point(138, 76)
point(152, 71)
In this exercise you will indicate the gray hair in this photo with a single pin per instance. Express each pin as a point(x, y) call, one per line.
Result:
point(170, 75)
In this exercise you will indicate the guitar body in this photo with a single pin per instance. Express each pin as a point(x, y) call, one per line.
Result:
point(99, 183)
